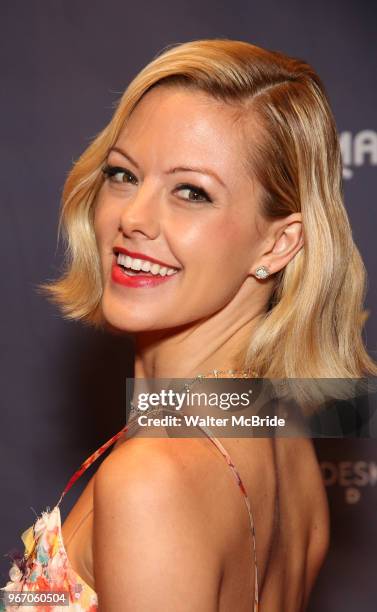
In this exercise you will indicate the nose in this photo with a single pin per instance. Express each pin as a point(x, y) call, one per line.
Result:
point(141, 214)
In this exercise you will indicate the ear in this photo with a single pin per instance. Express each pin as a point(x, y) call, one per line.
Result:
point(284, 238)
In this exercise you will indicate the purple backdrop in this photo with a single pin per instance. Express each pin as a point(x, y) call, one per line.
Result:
point(63, 66)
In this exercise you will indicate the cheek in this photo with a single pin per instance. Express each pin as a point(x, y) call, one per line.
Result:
point(98, 225)
point(224, 244)
point(104, 222)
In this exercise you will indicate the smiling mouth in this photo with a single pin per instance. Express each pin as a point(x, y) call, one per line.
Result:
point(130, 272)
point(131, 266)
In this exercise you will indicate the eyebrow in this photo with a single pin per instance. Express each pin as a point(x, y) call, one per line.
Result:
point(175, 169)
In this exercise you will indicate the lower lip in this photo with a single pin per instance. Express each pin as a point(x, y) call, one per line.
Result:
point(141, 280)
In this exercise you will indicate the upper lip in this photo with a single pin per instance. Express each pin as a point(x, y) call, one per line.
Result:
point(135, 255)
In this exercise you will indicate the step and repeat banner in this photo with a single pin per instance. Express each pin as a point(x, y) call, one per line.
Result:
point(64, 65)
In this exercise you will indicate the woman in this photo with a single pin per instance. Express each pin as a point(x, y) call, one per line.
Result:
point(206, 221)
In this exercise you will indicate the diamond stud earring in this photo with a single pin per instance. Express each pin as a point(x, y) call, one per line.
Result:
point(262, 272)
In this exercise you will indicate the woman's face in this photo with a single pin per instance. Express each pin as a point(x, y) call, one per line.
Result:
point(176, 192)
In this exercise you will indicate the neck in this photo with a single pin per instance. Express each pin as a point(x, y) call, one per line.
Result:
point(216, 342)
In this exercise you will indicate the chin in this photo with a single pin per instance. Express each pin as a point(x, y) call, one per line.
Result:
point(126, 322)
point(131, 319)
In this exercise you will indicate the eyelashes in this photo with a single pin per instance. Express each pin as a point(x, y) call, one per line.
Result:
point(116, 174)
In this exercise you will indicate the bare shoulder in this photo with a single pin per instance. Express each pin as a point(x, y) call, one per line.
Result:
point(146, 466)
point(150, 535)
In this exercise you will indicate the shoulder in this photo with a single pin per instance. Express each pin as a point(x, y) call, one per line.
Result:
point(144, 471)
point(150, 538)
point(140, 466)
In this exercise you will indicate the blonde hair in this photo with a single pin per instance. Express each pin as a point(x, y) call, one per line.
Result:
point(313, 325)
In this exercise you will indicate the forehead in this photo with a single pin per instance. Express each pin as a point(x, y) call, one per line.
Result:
point(176, 125)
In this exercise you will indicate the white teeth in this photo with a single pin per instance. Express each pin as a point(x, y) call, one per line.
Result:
point(155, 268)
point(135, 264)
point(144, 265)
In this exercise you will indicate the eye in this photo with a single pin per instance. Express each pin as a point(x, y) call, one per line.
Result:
point(116, 174)
point(198, 191)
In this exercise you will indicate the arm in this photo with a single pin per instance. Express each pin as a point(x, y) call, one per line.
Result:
point(150, 546)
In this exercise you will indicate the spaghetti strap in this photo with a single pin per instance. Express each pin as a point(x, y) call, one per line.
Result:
point(235, 472)
point(88, 462)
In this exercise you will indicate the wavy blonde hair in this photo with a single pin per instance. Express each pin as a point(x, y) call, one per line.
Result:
point(313, 325)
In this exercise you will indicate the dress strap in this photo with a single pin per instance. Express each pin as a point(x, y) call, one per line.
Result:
point(88, 462)
point(235, 472)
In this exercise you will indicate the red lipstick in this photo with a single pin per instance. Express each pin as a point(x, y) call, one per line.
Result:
point(139, 280)
point(134, 255)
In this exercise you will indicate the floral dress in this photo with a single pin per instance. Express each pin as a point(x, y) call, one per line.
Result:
point(44, 565)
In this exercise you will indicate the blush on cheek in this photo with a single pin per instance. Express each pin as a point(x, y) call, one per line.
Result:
point(233, 237)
